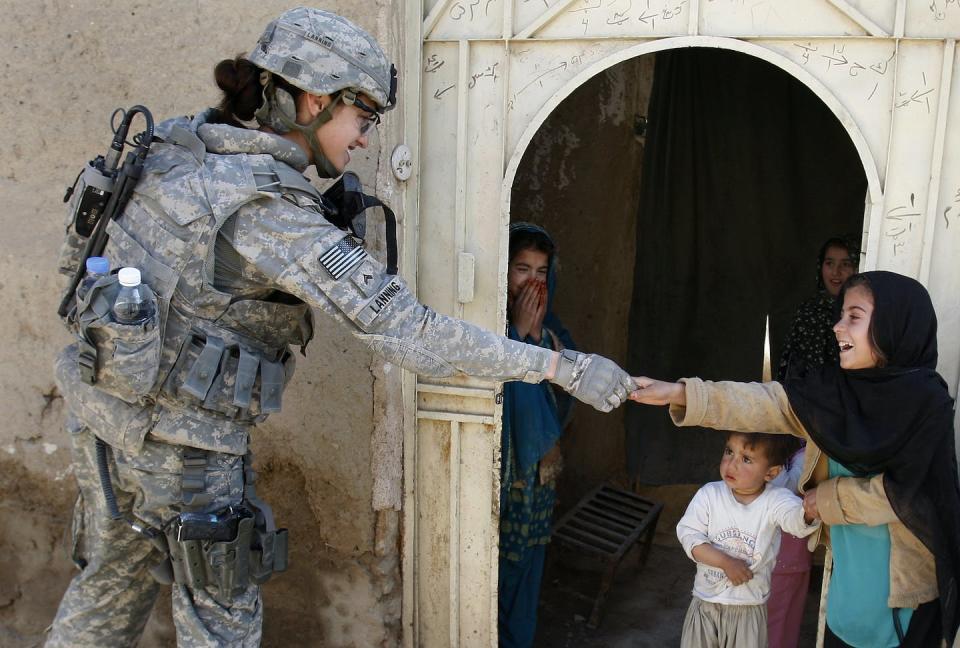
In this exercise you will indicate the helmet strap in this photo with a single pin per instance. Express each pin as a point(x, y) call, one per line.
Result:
point(272, 114)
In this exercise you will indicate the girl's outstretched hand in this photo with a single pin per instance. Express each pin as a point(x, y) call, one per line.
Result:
point(658, 392)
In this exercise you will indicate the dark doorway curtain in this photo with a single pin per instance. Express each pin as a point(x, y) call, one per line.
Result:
point(746, 173)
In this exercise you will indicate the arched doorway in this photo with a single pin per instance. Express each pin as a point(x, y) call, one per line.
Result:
point(477, 106)
point(479, 81)
point(755, 227)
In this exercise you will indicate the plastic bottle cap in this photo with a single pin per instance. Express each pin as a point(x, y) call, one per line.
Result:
point(129, 277)
point(98, 265)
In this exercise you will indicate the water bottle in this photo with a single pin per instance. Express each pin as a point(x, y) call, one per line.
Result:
point(96, 267)
point(134, 303)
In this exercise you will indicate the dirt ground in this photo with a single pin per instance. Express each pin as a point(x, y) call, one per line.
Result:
point(35, 570)
point(644, 609)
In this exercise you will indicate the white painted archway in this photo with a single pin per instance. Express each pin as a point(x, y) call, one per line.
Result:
point(481, 76)
point(873, 200)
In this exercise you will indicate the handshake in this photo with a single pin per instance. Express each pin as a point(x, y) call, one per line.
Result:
point(593, 379)
point(603, 385)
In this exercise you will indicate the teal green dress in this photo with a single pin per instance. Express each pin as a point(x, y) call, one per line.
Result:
point(857, 610)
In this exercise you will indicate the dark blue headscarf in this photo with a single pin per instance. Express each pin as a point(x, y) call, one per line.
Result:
point(533, 414)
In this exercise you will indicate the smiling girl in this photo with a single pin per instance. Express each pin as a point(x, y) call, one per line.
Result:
point(880, 465)
point(810, 340)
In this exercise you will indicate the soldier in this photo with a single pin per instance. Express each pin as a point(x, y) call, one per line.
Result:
point(237, 246)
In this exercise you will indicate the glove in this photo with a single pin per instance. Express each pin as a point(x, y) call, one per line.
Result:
point(593, 379)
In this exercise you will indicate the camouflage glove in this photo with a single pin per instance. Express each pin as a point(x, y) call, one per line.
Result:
point(593, 379)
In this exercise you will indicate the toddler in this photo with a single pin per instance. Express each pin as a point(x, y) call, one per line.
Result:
point(731, 529)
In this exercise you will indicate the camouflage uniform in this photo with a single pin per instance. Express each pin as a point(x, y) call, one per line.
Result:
point(109, 601)
point(233, 241)
point(271, 244)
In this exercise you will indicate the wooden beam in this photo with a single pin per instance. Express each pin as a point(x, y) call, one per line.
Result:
point(901, 19)
point(936, 162)
point(544, 18)
point(860, 18)
point(433, 17)
point(693, 24)
point(453, 564)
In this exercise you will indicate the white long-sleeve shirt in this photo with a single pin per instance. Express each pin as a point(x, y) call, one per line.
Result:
point(750, 532)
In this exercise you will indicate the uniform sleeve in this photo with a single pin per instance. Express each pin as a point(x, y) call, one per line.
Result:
point(306, 256)
point(854, 500)
point(741, 407)
point(692, 527)
point(788, 514)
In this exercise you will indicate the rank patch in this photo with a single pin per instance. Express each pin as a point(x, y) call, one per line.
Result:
point(368, 278)
point(343, 257)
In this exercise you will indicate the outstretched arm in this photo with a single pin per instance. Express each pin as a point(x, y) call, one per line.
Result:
point(304, 255)
point(657, 392)
point(743, 407)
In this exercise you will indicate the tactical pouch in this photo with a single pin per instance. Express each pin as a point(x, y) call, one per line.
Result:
point(268, 554)
point(228, 566)
point(228, 563)
point(121, 359)
point(121, 424)
point(240, 383)
point(187, 560)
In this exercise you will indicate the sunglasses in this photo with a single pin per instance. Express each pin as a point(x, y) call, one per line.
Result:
point(373, 118)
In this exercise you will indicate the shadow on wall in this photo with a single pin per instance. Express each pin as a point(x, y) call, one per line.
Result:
point(34, 515)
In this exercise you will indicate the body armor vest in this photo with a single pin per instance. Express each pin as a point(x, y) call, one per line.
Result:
point(217, 362)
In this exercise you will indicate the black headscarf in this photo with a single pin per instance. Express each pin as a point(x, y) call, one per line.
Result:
point(896, 420)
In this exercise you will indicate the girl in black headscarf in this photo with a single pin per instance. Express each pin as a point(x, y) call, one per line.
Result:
point(880, 468)
point(810, 341)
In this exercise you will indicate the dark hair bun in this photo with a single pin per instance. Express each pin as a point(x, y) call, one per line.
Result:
point(240, 81)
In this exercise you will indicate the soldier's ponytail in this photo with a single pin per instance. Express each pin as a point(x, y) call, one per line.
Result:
point(242, 93)
point(239, 79)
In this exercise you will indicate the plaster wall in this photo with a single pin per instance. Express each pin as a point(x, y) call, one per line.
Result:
point(330, 464)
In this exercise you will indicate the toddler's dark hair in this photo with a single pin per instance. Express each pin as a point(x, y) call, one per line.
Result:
point(777, 448)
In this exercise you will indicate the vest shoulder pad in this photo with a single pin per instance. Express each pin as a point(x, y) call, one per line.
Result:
point(282, 180)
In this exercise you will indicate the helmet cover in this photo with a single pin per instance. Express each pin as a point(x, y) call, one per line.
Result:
point(323, 53)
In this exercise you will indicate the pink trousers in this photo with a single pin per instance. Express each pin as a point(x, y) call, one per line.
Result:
point(788, 592)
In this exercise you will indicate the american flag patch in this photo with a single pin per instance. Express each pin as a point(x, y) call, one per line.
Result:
point(343, 257)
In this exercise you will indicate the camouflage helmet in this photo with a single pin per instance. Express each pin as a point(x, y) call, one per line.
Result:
point(323, 53)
